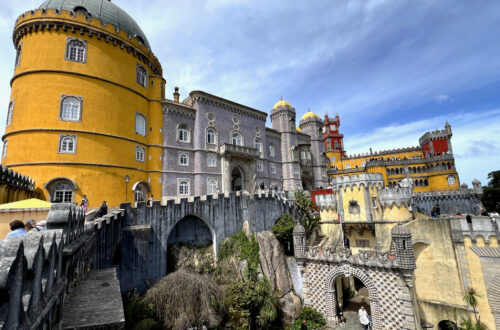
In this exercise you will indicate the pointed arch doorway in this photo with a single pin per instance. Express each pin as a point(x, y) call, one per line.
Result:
point(237, 179)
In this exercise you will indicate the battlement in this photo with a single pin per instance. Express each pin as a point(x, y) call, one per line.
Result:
point(398, 195)
point(390, 162)
point(15, 179)
point(366, 179)
point(478, 227)
point(434, 135)
point(383, 152)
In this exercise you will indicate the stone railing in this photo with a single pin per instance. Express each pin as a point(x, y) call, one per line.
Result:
point(478, 227)
point(357, 180)
point(398, 195)
point(227, 149)
point(370, 258)
point(374, 163)
point(37, 270)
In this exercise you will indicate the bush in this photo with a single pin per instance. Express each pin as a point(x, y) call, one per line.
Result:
point(307, 212)
point(283, 231)
point(314, 319)
point(244, 249)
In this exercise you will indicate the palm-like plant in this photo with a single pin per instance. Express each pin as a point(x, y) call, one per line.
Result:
point(307, 212)
point(471, 299)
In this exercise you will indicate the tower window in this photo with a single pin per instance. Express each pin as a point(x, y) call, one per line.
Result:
point(183, 159)
point(142, 75)
point(211, 162)
point(302, 155)
point(212, 186)
point(211, 136)
point(139, 153)
point(76, 50)
point(140, 124)
point(258, 145)
point(183, 133)
point(259, 166)
point(236, 139)
point(4, 150)
point(333, 159)
point(63, 193)
point(451, 180)
point(71, 108)
point(18, 53)
point(67, 144)
point(271, 150)
point(9, 113)
point(273, 168)
point(183, 187)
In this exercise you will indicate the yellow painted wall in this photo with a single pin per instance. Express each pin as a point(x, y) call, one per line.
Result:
point(396, 213)
point(6, 216)
point(111, 99)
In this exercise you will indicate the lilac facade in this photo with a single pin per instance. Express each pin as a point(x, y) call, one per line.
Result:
point(212, 145)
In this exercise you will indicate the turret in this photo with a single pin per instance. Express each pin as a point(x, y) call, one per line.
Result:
point(402, 247)
point(299, 241)
point(476, 187)
point(312, 125)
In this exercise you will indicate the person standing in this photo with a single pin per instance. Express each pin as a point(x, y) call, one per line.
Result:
point(85, 203)
point(103, 210)
point(303, 326)
point(340, 315)
point(363, 317)
point(150, 201)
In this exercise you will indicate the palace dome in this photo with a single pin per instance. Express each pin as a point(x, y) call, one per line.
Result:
point(299, 129)
point(282, 103)
point(309, 114)
point(104, 10)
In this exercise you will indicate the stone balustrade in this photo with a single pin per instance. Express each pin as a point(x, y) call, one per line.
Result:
point(227, 149)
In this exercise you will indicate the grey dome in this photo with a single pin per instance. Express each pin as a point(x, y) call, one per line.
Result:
point(400, 230)
point(299, 229)
point(104, 10)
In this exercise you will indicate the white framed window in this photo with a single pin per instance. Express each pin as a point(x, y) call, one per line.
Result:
point(211, 161)
point(295, 168)
point(273, 168)
point(302, 155)
point(271, 150)
point(363, 163)
point(259, 166)
point(236, 139)
point(183, 159)
point(347, 166)
point(258, 144)
point(333, 159)
point(333, 127)
point(4, 150)
point(451, 180)
point(211, 136)
point(183, 187)
point(71, 108)
point(142, 75)
point(211, 186)
point(236, 119)
point(140, 153)
point(67, 144)
point(18, 54)
point(76, 50)
point(140, 124)
point(63, 193)
point(183, 132)
point(9, 113)
point(324, 129)
point(308, 155)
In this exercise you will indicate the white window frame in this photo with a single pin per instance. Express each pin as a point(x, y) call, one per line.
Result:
point(450, 179)
point(212, 191)
point(333, 159)
point(259, 166)
point(63, 111)
point(186, 156)
point(138, 155)
point(347, 166)
point(272, 168)
point(138, 129)
point(303, 155)
point(4, 149)
point(207, 134)
point(295, 168)
point(211, 156)
point(258, 144)
point(68, 191)
point(141, 75)
point(62, 138)
point(233, 139)
point(19, 50)
point(185, 137)
point(271, 150)
point(76, 53)
point(10, 111)
point(188, 186)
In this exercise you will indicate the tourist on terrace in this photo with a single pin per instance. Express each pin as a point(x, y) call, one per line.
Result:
point(40, 226)
point(103, 210)
point(29, 224)
point(85, 203)
point(150, 201)
point(17, 229)
point(363, 317)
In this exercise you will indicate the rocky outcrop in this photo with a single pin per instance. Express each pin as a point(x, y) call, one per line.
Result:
point(274, 266)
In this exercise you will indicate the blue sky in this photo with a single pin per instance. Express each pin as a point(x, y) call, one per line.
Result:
point(391, 69)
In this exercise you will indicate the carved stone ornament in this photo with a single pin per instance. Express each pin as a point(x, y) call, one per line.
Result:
point(382, 257)
point(364, 255)
point(344, 253)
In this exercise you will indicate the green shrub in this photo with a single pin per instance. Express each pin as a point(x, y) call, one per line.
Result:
point(307, 212)
point(314, 319)
point(283, 231)
point(240, 246)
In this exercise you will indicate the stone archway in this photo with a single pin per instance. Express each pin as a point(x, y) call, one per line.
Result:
point(237, 182)
point(330, 292)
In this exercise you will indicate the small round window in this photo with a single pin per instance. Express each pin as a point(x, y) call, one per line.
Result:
point(210, 116)
point(257, 129)
point(236, 119)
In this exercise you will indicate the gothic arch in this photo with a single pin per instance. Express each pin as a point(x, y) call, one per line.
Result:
point(347, 270)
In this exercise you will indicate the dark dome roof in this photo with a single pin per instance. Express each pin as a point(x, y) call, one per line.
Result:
point(104, 10)
point(400, 230)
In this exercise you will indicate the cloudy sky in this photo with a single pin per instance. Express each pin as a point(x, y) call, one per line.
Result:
point(392, 70)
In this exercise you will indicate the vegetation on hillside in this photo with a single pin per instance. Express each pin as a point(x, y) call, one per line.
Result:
point(283, 231)
point(314, 319)
point(491, 193)
point(307, 212)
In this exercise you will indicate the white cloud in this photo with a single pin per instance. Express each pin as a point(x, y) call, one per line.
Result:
point(441, 98)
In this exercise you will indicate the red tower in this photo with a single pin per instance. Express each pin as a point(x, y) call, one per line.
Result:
point(331, 137)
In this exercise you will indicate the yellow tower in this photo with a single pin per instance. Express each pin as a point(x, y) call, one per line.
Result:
point(85, 110)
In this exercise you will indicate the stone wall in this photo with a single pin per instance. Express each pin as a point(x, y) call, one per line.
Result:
point(450, 202)
point(15, 186)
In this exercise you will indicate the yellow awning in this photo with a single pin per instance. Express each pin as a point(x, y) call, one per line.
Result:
point(32, 203)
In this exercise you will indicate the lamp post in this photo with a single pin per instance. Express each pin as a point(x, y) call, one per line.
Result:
point(127, 180)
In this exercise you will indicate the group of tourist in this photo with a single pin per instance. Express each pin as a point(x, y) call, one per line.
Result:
point(19, 228)
point(364, 318)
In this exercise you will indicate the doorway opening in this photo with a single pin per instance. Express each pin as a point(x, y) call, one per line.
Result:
point(236, 180)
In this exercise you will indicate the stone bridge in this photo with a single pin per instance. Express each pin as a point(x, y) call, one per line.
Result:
point(39, 271)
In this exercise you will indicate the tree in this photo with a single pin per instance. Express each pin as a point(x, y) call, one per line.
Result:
point(470, 298)
point(491, 193)
point(307, 212)
point(283, 231)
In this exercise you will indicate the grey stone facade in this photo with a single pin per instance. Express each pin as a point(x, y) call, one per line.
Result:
point(259, 158)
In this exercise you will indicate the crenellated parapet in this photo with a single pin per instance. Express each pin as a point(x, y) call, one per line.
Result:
point(15, 179)
point(479, 226)
point(450, 202)
point(365, 258)
point(365, 179)
point(396, 195)
point(382, 152)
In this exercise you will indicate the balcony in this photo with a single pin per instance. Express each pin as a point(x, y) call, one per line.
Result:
point(232, 150)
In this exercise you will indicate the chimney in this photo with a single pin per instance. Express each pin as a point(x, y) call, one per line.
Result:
point(176, 94)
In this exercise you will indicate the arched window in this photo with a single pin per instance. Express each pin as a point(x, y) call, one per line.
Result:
point(183, 132)
point(142, 76)
point(63, 193)
point(258, 145)
point(183, 159)
point(451, 180)
point(140, 124)
point(71, 108)
point(302, 155)
point(236, 139)
point(4, 150)
point(9, 113)
point(18, 54)
point(273, 168)
point(183, 187)
point(76, 50)
point(212, 186)
point(271, 150)
point(211, 136)
point(211, 162)
point(308, 155)
point(67, 144)
point(259, 166)
point(139, 153)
